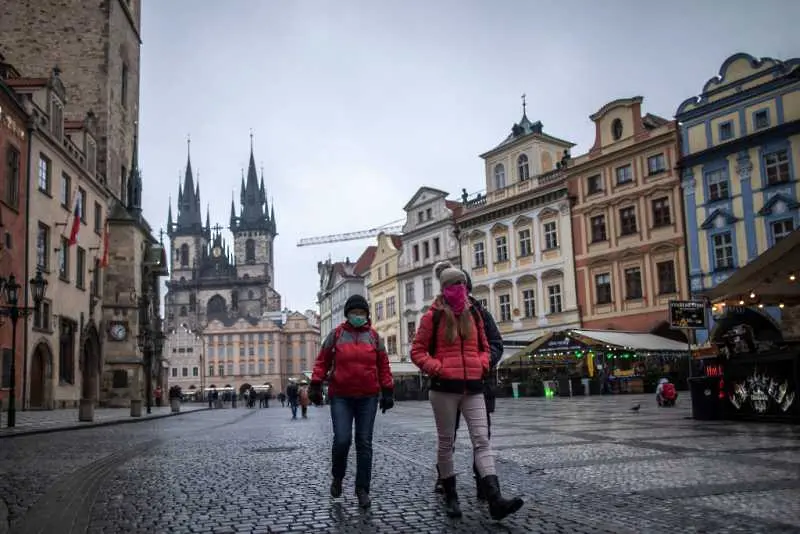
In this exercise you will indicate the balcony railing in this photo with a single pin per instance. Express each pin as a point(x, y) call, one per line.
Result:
point(517, 188)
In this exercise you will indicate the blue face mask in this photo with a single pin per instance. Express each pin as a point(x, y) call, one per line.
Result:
point(357, 320)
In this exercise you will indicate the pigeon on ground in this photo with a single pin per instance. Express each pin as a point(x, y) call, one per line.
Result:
point(636, 408)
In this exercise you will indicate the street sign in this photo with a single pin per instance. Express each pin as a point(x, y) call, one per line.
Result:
point(687, 314)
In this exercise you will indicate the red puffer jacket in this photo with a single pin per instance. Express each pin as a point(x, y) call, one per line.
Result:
point(456, 367)
point(357, 360)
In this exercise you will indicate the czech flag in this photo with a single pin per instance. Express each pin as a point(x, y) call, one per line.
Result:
point(76, 221)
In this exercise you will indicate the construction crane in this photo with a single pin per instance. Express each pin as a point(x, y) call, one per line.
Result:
point(390, 228)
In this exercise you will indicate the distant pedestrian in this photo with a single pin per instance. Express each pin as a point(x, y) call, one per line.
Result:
point(304, 401)
point(293, 396)
point(353, 361)
point(460, 363)
point(282, 398)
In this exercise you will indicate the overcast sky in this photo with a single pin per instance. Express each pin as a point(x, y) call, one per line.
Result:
point(355, 104)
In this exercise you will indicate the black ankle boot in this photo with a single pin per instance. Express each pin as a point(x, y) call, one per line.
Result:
point(363, 498)
point(499, 507)
point(437, 488)
point(451, 506)
point(480, 493)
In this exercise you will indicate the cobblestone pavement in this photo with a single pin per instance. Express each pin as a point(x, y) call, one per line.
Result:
point(588, 465)
point(39, 421)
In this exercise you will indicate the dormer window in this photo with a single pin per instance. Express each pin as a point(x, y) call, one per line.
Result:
point(523, 170)
point(499, 176)
point(57, 119)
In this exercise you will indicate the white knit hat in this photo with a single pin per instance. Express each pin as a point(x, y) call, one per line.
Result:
point(451, 275)
point(441, 266)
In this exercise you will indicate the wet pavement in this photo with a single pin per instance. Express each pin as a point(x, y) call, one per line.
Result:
point(583, 465)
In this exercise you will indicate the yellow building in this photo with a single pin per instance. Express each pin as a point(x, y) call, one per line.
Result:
point(382, 292)
point(740, 144)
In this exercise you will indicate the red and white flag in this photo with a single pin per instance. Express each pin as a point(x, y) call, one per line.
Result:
point(76, 221)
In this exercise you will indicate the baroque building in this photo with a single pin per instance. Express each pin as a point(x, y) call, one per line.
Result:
point(224, 291)
point(337, 282)
point(64, 360)
point(627, 221)
point(382, 291)
point(516, 239)
point(428, 238)
point(740, 144)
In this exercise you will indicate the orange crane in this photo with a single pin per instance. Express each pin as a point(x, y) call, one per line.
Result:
point(393, 227)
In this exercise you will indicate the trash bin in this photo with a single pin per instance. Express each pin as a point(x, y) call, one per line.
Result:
point(706, 404)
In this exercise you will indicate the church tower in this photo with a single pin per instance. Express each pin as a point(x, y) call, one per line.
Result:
point(189, 241)
point(254, 232)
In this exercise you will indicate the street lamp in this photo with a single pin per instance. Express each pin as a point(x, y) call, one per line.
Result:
point(10, 293)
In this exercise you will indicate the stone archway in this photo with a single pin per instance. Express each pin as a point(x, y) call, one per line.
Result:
point(90, 364)
point(41, 360)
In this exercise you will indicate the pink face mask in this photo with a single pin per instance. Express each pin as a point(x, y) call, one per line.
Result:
point(456, 297)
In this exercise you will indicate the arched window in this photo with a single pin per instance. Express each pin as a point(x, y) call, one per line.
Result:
point(522, 167)
point(499, 176)
point(250, 251)
point(235, 300)
point(216, 305)
point(184, 255)
point(183, 311)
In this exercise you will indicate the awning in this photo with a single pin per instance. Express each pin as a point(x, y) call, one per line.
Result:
point(636, 341)
point(773, 277)
point(570, 341)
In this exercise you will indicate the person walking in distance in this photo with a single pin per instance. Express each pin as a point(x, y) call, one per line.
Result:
point(458, 366)
point(293, 396)
point(495, 340)
point(353, 361)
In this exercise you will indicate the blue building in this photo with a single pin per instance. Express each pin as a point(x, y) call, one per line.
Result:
point(740, 144)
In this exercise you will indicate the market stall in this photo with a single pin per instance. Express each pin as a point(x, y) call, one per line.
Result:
point(599, 360)
point(755, 354)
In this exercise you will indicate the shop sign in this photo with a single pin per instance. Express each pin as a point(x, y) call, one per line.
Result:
point(8, 122)
point(561, 343)
point(687, 314)
point(762, 392)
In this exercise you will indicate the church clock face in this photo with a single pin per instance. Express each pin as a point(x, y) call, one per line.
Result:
point(217, 252)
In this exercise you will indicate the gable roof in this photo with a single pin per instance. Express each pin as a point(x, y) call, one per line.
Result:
point(437, 193)
point(364, 263)
point(789, 203)
point(719, 212)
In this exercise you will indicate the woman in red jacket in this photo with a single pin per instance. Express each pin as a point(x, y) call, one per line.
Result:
point(457, 368)
point(354, 362)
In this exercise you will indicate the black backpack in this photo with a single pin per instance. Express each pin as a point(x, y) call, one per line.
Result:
point(437, 317)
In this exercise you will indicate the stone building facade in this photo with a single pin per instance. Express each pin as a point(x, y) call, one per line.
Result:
point(185, 352)
point(63, 335)
point(516, 241)
point(13, 215)
point(428, 237)
point(382, 292)
point(337, 282)
point(96, 45)
point(627, 221)
point(224, 291)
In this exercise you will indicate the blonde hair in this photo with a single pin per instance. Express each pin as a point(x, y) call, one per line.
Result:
point(455, 327)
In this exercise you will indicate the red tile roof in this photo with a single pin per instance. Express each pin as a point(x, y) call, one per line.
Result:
point(397, 241)
point(365, 261)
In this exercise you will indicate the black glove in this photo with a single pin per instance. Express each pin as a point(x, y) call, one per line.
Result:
point(315, 393)
point(387, 400)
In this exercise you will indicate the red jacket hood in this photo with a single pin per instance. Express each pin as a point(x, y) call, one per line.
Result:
point(347, 326)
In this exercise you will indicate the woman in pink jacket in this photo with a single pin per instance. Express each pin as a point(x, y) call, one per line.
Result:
point(450, 346)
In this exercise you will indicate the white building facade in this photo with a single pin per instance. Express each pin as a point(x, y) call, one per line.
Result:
point(516, 240)
point(184, 354)
point(338, 281)
point(428, 238)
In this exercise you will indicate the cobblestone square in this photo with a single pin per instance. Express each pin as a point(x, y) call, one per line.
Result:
point(583, 465)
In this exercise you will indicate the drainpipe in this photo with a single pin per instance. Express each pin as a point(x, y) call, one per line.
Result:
point(27, 276)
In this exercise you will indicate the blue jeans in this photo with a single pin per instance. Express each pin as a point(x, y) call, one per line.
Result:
point(293, 406)
point(345, 410)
